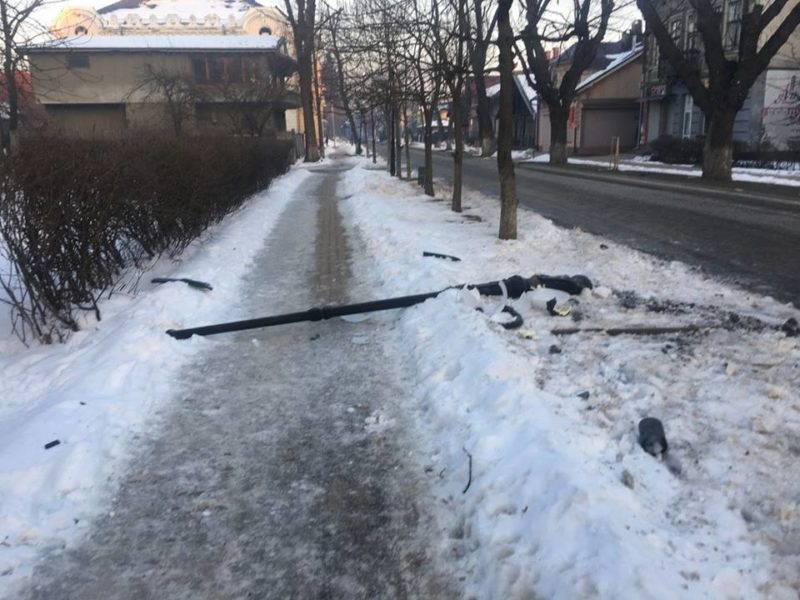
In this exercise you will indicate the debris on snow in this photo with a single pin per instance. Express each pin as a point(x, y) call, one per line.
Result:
point(546, 512)
point(426, 253)
point(193, 283)
point(651, 436)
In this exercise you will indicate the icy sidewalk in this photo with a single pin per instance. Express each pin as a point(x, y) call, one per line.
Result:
point(282, 468)
point(563, 502)
point(97, 393)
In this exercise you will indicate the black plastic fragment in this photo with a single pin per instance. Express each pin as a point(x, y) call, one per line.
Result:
point(194, 283)
point(514, 323)
point(791, 328)
point(651, 436)
point(437, 255)
point(52, 444)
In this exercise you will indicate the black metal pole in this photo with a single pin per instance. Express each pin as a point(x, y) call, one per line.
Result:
point(320, 313)
point(513, 287)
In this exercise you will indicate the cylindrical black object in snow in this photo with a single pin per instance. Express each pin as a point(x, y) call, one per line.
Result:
point(651, 436)
point(514, 287)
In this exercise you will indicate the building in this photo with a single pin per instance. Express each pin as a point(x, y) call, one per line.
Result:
point(524, 113)
point(607, 97)
point(607, 105)
point(770, 117)
point(524, 110)
point(184, 65)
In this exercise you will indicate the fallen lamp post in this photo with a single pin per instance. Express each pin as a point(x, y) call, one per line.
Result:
point(513, 287)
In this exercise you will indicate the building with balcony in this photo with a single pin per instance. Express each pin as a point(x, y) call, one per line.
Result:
point(770, 117)
point(187, 66)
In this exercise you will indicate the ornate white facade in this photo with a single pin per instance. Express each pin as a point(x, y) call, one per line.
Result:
point(174, 17)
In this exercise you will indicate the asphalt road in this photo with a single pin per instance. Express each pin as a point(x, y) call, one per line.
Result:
point(742, 233)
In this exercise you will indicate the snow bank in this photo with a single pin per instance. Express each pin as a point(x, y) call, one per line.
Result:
point(765, 176)
point(547, 513)
point(98, 392)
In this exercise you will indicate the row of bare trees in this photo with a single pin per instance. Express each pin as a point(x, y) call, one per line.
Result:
point(400, 62)
point(391, 59)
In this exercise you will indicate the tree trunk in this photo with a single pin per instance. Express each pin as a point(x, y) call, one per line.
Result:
point(374, 149)
point(485, 126)
point(306, 72)
point(390, 140)
point(558, 136)
point(318, 99)
point(458, 154)
point(428, 152)
point(505, 133)
point(718, 149)
point(407, 138)
point(364, 134)
point(398, 144)
point(356, 131)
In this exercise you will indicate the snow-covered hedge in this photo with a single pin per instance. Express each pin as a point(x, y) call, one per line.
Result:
point(74, 213)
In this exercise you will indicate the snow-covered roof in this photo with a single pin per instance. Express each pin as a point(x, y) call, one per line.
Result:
point(617, 62)
point(163, 43)
point(521, 81)
point(525, 88)
point(182, 8)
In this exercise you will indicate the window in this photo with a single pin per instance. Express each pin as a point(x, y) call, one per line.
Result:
point(223, 69)
point(734, 24)
point(265, 31)
point(81, 30)
point(77, 61)
point(688, 109)
point(691, 33)
point(675, 31)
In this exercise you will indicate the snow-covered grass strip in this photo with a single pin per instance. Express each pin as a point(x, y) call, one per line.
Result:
point(750, 174)
point(98, 392)
point(563, 501)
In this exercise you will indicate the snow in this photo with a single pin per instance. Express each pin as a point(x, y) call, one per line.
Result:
point(162, 42)
point(524, 87)
point(765, 176)
point(547, 514)
point(100, 390)
point(493, 90)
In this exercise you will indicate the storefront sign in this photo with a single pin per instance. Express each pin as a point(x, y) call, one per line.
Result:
point(656, 91)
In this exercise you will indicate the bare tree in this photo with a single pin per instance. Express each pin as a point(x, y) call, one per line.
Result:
point(505, 130)
point(732, 65)
point(479, 43)
point(175, 90)
point(339, 56)
point(450, 26)
point(17, 28)
point(426, 85)
point(581, 28)
point(302, 17)
point(252, 103)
